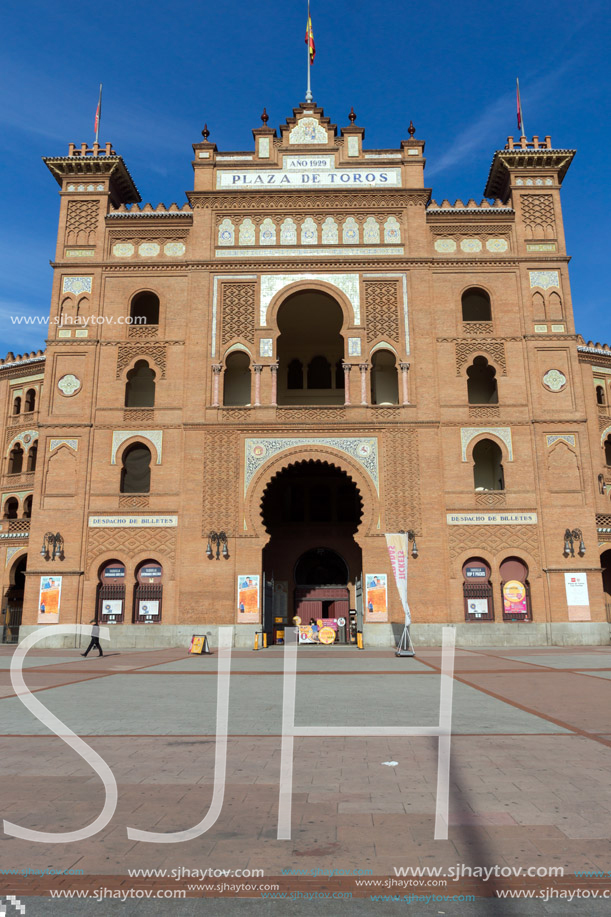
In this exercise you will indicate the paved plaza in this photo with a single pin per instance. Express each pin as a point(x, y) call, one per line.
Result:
point(530, 781)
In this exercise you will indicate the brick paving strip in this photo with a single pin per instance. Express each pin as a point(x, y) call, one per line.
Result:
point(518, 798)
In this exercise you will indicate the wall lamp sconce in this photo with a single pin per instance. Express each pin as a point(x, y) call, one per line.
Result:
point(52, 546)
point(411, 536)
point(570, 537)
point(217, 538)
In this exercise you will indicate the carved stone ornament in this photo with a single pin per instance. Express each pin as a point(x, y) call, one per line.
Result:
point(69, 385)
point(554, 380)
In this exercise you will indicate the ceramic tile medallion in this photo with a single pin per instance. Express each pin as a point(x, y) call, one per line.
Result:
point(77, 285)
point(392, 230)
point(267, 232)
point(174, 249)
point(330, 232)
point(554, 380)
point(497, 245)
point(350, 231)
point(544, 279)
point(123, 249)
point(69, 384)
point(308, 130)
point(445, 246)
point(309, 232)
point(265, 347)
point(226, 234)
point(371, 231)
point(149, 249)
point(362, 449)
point(247, 232)
point(471, 245)
point(288, 232)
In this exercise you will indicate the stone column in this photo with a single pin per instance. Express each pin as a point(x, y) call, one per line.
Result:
point(363, 367)
point(347, 367)
point(404, 367)
point(274, 371)
point(257, 368)
point(217, 369)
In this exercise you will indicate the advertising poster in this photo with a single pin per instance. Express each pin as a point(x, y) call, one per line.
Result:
point(148, 607)
point(577, 598)
point(514, 598)
point(112, 607)
point(49, 599)
point(376, 601)
point(248, 598)
point(398, 544)
point(478, 608)
point(197, 645)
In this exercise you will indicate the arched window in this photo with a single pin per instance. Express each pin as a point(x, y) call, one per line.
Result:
point(145, 308)
point(15, 460)
point(481, 382)
point(140, 386)
point(515, 590)
point(17, 406)
point(319, 372)
point(10, 508)
point(477, 590)
point(600, 394)
point(27, 507)
point(294, 377)
point(608, 451)
point(384, 382)
point(32, 455)
point(30, 400)
point(136, 471)
point(236, 382)
point(476, 306)
point(487, 466)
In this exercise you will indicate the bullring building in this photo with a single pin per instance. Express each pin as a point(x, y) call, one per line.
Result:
point(241, 395)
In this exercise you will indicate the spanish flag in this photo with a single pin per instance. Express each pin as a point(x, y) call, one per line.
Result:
point(309, 38)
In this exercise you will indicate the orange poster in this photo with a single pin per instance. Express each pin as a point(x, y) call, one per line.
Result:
point(377, 603)
point(248, 598)
point(49, 599)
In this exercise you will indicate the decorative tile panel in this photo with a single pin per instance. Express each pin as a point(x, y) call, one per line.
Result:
point(273, 283)
point(445, 245)
point(497, 245)
point(330, 232)
point(392, 230)
point(288, 232)
point(265, 347)
point(247, 232)
point(554, 380)
point(149, 249)
point(69, 384)
point(309, 232)
point(263, 147)
point(77, 285)
point(471, 245)
point(123, 249)
point(267, 232)
point(174, 248)
point(363, 449)
point(371, 231)
point(469, 433)
point(353, 146)
point(350, 231)
point(226, 234)
point(354, 347)
point(308, 130)
point(544, 279)
point(71, 443)
point(119, 437)
point(552, 438)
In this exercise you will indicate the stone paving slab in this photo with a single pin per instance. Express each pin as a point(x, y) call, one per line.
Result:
point(567, 660)
point(263, 662)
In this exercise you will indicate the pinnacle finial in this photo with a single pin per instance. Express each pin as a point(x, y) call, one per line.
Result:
point(205, 133)
point(411, 129)
point(265, 117)
point(352, 116)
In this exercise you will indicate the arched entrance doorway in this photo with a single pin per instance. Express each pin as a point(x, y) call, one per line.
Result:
point(13, 601)
point(312, 510)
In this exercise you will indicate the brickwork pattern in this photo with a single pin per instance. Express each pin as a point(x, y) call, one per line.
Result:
point(238, 312)
point(221, 482)
point(496, 538)
point(538, 214)
point(127, 542)
point(402, 480)
point(81, 222)
point(157, 353)
point(466, 349)
point(381, 310)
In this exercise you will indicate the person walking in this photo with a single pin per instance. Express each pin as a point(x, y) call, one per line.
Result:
point(95, 639)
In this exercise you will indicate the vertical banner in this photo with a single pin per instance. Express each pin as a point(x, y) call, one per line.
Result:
point(577, 598)
point(398, 545)
point(376, 602)
point(249, 611)
point(49, 599)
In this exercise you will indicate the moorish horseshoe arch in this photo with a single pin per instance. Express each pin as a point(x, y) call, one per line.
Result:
point(293, 456)
point(308, 284)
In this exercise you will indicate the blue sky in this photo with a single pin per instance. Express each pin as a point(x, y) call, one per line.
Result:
point(167, 68)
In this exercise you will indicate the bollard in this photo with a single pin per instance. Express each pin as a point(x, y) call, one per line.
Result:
point(359, 640)
point(256, 646)
point(264, 640)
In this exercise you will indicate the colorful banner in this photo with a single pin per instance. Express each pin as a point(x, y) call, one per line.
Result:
point(398, 545)
point(248, 598)
point(376, 601)
point(49, 599)
point(514, 598)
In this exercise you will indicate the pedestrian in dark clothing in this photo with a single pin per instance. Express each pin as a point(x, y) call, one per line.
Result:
point(95, 639)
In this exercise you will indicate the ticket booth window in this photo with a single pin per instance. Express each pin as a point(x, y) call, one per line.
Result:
point(111, 593)
point(477, 590)
point(515, 590)
point(148, 593)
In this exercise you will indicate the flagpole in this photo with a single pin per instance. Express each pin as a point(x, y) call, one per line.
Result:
point(308, 96)
point(98, 116)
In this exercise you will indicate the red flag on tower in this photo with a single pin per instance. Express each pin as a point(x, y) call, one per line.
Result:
point(309, 38)
point(98, 114)
point(519, 103)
